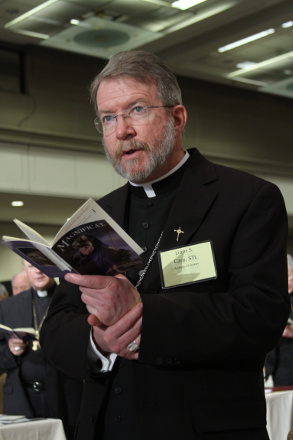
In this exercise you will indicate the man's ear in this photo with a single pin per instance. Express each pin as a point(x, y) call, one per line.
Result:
point(180, 117)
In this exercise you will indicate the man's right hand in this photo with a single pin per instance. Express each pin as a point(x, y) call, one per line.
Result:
point(17, 346)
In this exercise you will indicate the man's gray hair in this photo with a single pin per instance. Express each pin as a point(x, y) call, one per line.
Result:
point(144, 67)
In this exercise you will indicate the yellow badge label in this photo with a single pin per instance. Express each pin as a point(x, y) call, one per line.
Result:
point(188, 264)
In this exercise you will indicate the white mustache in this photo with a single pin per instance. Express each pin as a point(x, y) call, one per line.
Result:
point(124, 147)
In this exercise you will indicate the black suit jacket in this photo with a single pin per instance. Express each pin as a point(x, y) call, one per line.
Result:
point(203, 345)
point(64, 393)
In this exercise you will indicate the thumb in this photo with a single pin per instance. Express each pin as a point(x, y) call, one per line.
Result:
point(94, 321)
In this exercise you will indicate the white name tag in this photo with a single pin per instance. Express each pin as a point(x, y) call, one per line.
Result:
point(188, 264)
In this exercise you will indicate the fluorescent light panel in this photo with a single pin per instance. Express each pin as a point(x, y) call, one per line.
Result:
point(251, 81)
point(202, 15)
point(30, 13)
point(261, 64)
point(32, 34)
point(186, 4)
point(246, 40)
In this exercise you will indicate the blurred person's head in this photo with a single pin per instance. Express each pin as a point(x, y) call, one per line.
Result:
point(3, 292)
point(20, 282)
point(290, 273)
point(38, 279)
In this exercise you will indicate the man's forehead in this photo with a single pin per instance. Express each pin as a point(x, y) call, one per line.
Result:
point(122, 90)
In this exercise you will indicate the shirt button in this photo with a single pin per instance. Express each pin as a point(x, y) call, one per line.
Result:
point(169, 361)
point(159, 360)
point(118, 390)
point(117, 418)
point(145, 225)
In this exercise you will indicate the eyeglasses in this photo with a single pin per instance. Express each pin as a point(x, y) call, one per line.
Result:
point(138, 115)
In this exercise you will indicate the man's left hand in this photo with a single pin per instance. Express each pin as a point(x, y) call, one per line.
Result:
point(116, 338)
point(108, 298)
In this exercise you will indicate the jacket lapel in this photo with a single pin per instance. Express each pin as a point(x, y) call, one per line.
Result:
point(192, 202)
point(194, 198)
point(116, 205)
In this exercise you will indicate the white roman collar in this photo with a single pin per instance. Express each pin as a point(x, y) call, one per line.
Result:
point(148, 187)
point(42, 293)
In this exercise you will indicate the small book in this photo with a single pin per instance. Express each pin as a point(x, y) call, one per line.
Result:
point(8, 420)
point(26, 334)
point(89, 243)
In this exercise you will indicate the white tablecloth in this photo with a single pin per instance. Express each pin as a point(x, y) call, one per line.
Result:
point(279, 422)
point(279, 414)
point(47, 429)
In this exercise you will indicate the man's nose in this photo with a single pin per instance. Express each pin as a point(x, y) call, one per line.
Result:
point(124, 127)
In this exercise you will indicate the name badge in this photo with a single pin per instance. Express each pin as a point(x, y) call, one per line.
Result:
point(187, 265)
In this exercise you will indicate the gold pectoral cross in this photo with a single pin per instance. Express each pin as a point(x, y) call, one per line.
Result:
point(179, 231)
point(35, 342)
point(35, 345)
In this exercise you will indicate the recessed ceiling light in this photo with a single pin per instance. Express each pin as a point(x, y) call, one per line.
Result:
point(246, 40)
point(287, 24)
point(186, 4)
point(74, 21)
point(245, 64)
point(17, 203)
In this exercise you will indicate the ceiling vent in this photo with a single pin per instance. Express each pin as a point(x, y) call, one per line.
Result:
point(101, 38)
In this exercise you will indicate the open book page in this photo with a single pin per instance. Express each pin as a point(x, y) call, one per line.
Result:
point(90, 242)
point(25, 334)
point(39, 255)
point(30, 232)
point(8, 420)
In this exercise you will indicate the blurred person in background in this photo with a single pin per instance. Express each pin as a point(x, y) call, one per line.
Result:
point(3, 292)
point(279, 362)
point(33, 388)
point(20, 282)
